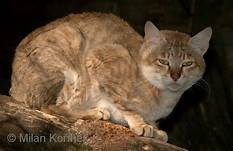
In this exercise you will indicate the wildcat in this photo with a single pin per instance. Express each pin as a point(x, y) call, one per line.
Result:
point(95, 66)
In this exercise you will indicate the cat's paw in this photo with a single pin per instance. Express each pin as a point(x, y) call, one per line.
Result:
point(143, 130)
point(160, 135)
point(102, 114)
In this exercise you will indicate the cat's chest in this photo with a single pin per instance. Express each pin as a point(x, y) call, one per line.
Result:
point(165, 103)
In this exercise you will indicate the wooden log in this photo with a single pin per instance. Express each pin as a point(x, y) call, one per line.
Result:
point(23, 128)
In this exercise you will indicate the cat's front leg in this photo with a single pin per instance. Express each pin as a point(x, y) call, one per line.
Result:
point(89, 114)
point(141, 128)
point(137, 124)
point(158, 134)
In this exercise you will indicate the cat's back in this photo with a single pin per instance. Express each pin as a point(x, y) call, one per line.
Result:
point(101, 28)
point(42, 57)
point(96, 29)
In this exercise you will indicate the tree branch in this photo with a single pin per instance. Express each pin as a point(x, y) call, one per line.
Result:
point(21, 121)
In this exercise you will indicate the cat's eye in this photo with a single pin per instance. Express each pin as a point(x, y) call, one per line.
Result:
point(187, 64)
point(163, 61)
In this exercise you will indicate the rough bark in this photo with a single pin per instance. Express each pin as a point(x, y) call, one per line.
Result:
point(18, 120)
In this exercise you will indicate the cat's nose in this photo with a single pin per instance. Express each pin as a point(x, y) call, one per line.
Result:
point(175, 75)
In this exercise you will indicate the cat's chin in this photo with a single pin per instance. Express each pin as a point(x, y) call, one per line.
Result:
point(174, 87)
point(174, 90)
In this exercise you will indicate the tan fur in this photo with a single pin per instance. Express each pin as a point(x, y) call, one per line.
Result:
point(95, 65)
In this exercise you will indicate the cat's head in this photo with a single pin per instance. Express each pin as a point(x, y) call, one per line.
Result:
point(173, 60)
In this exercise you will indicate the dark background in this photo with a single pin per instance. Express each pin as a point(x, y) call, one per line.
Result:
point(202, 121)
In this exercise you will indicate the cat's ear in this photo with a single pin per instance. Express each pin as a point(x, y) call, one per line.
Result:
point(201, 40)
point(152, 33)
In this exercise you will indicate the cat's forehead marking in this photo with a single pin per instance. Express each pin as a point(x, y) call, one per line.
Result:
point(175, 39)
point(176, 52)
point(176, 44)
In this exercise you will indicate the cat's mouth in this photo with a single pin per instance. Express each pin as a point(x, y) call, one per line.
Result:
point(174, 87)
